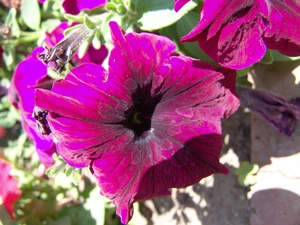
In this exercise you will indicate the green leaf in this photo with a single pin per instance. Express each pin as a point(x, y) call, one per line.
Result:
point(89, 24)
point(58, 167)
point(30, 13)
point(111, 6)
point(72, 29)
point(84, 47)
point(97, 39)
point(184, 26)
point(77, 18)
point(55, 169)
point(95, 204)
point(78, 215)
point(277, 56)
point(61, 180)
point(77, 176)
point(268, 58)
point(15, 149)
point(9, 55)
point(156, 14)
point(66, 220)
point(121, 10)
point(243, 72)
point(105, 29)
point(12, 23)
point(52, 9)
point(50, 24)
point(9, 118)
point(247, 173)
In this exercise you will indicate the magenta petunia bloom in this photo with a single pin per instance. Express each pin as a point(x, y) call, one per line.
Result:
point(179, 4)
point(9, 187)
point(30, 74)
point(75, 6)
point(92, 55)
point(236, 34)
point(150, 123)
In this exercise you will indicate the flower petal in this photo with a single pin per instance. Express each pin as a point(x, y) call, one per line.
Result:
point(133, 65)
point(179, 4)
point(283, 31)
point(231, 32)
point(236, 33)
point(195, 89)
point(76, 96)
point(75, 6)
point(9, 187)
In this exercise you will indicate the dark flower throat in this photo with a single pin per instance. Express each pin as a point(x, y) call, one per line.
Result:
point(138, 117)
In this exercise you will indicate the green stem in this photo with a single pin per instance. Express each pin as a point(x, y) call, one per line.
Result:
point(26, 37)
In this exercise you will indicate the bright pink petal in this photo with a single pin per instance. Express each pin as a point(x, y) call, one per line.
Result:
point(134, 72)
point(236, 33)
point(9, 187)
point(92, 55)
point(75, 6)
point(283, 32)
point(179, 4)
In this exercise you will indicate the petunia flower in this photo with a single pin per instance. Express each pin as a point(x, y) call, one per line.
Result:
point(55, 42)
point(236, 34)
point(30, 74)
point(150, 123)
point(179, 4)
point(75, 6)
point(277, 111)
point(9, 187)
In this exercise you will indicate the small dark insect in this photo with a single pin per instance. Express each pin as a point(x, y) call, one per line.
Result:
point(42, 125)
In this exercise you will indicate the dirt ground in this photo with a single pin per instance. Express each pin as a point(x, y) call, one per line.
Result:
point(216, 200)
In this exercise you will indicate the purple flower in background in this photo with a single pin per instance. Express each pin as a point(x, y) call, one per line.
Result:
point(179, 4)
point(75, 6)
point(236, 34)
point(30, 74)
point(282, 114)
point(150, 123)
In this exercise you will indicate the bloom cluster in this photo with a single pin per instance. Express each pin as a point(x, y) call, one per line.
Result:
point(141, 114)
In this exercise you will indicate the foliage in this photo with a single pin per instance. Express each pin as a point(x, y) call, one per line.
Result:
point(246, 173)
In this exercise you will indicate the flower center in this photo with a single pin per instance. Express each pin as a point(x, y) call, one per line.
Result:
point(138, 117)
